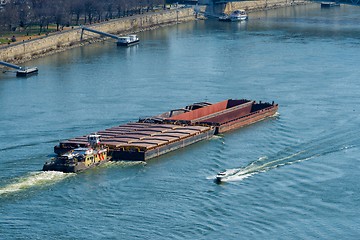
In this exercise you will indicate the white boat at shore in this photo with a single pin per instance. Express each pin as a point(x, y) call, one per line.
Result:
point(238, 15)
point(329, 4)
point(128, 40)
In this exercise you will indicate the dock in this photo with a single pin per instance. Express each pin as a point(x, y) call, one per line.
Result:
point(153, 136)
point(120, 41)
point(21, 71)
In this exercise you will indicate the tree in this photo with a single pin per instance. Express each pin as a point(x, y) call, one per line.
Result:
point(77, 8)
point(59, 13)
point(24, 13)
point(9, 18)
point(89, 10)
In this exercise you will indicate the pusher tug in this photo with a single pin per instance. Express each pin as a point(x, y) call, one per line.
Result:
point(80, 158)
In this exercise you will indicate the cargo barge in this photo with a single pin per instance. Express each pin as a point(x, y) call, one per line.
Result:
point(153, 136)
point(224, 116)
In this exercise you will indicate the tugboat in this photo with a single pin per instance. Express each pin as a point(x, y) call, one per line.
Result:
point(128, 40)
point(81, 158)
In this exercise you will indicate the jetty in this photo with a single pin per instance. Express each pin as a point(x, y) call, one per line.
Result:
point(21, 71)
point(120, 41)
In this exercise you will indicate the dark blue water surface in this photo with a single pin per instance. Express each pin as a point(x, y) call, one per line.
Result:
point(300, 169)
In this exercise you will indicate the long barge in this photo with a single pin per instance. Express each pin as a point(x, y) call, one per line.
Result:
point(153, 136)
point(227, 115)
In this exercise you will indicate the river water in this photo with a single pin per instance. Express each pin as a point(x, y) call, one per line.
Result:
point(300, 169)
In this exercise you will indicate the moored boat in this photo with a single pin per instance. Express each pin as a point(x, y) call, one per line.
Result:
point(224, 18)
point(329, 4)
point(80, 158)
point(238, 15)
point(128, 40)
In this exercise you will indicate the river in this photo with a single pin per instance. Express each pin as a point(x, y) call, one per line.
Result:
point(300, 169)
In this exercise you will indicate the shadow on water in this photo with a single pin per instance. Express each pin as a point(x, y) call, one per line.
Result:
point(322, 146)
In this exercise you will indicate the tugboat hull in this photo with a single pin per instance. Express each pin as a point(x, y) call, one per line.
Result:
point(74, 168)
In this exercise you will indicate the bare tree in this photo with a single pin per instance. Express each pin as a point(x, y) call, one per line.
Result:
point(23, 13)
point(9, 18)
point(59, 13)
point(77, 8)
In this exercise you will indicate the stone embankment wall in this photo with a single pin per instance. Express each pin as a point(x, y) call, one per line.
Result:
point(23, 51)
point(255, 5)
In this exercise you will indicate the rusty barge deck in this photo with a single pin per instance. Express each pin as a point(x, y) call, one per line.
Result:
point(154, 136)
point(227, 115)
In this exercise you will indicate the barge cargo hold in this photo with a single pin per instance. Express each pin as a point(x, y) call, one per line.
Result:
point(154, 136)
point(227, 115)
point(142, 141)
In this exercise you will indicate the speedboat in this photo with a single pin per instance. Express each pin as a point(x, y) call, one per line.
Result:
point(238, 15)
point(221, 176)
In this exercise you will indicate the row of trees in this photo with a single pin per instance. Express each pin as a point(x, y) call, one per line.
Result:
point(42, 13)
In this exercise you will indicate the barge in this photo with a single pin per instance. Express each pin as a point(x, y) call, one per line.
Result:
point(227, 115)
point(153, 136)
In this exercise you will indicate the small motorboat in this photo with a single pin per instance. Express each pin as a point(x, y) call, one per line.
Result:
point(221, 176)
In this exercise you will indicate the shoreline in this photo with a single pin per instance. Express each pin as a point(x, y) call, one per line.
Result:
point(24, 51)
point(28, 50)
point(82, 43)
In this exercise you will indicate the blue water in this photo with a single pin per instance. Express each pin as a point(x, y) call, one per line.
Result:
point(300, 169)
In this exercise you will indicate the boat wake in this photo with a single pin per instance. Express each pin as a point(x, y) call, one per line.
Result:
point(289, 156)
point(34, 179)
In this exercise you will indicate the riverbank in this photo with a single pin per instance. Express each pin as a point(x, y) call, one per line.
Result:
point(26, 50)
point(250, 6)
point(35, 48)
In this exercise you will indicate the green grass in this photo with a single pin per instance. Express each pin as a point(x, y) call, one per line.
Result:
point(30, 31)
point(4, 40)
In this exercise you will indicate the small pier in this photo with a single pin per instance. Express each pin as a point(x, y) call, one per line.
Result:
point(98, 32)
point(21, 71)
point(120, 41)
